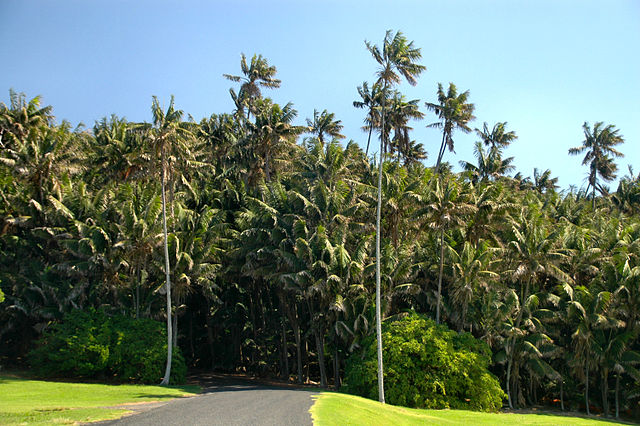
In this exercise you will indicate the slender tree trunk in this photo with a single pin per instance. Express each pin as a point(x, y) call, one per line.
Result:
point(440, 153)
point(562, 394)
point(320, 349)
point(366, 153)
point(138, 292)
point(586, 385)
point(440, 269)
point(509, 393)
point(617, 390)
point(167, 372)
point(378, 232)
point(210, 338)
point(285, 351)
point(605, 392)
point(175, 328)
point(336, 364)
point(296, 335)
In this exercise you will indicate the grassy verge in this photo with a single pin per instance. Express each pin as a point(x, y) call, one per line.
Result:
point(341, 409)
point(25, 401)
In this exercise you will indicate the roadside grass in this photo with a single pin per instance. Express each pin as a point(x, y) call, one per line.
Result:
point(26, 401)
point(341, 409)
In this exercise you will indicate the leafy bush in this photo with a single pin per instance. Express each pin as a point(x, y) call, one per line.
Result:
point(426, 366)
point(92, 344)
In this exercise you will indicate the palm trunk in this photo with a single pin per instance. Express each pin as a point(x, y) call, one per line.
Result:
point(509, 365)
point(167, 372)
point(320, 349)
point(175, 327)
point(336, 365)
point(586, 384)
point(440, 153)
point(366, 153)
point(440, 269)
point(137, 292)
point(378, 231)
point(617, 390)
point(285, 351)
point(605, 392)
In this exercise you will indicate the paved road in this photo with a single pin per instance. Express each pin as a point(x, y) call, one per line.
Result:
point(231, 402)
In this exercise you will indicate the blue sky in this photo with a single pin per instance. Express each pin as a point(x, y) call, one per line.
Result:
point(545, 67)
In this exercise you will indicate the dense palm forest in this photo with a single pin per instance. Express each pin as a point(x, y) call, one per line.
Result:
point(271, 236)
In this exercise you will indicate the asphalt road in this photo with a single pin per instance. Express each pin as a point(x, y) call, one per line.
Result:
point(230, 402)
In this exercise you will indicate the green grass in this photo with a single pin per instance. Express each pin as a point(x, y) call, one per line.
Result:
point(25, 401)
point(341, 409)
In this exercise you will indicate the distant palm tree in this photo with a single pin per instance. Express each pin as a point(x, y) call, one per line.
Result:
point(325, 123)
point(599, 147)
point(371, 100)
point(258, 74)
point(454, 112)
point(497, 136)
point(397, 59)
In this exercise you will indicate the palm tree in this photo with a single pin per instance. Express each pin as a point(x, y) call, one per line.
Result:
point(168, 138)
point(490, 164)
point(599, 145)
point(325, 123)
point(400, 111)
point(397, 59)
point(371, 100)
point(446, 208)
point(454, 112)
point(273, 133)
point(497, 136)
point(258, 74)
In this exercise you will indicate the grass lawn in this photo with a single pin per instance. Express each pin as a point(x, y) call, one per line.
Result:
point(341, 409)
point(25, 401)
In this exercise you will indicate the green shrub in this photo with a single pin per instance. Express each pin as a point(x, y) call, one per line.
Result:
point(91, 344)
point(426, 366)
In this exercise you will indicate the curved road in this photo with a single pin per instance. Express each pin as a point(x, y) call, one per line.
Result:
point(230, 402)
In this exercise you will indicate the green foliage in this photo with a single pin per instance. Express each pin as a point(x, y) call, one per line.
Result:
point(427, 366)
point(92, 344)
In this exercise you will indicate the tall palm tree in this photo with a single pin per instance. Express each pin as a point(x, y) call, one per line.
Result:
point(257, 74)
point(397, 59)
point(273, 132)
point(497, 136)
point(169, 142)
point(447, 207)
point(371, 100)
point(454, 112)
point(400, 111)
point(325, 123)
point(599, 145)
point(490, 164)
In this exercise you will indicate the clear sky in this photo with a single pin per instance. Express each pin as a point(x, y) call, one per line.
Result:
point(544, 66)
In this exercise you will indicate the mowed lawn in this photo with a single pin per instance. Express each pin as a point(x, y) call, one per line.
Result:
point(341, 409)
point(24, 401)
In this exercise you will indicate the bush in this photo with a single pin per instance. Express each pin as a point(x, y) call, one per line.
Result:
point(426, 366)
point(91, 344)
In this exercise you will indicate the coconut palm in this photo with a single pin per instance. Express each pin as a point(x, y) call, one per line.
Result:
point(371, 100)
point(169, 139)
point(257, 74)
point(497, 136)
point(446, 208)
point(273, 134)
point(490, 164)
point(325, 123)
point(454, 112)
point(599, 150)
point(397, 59)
